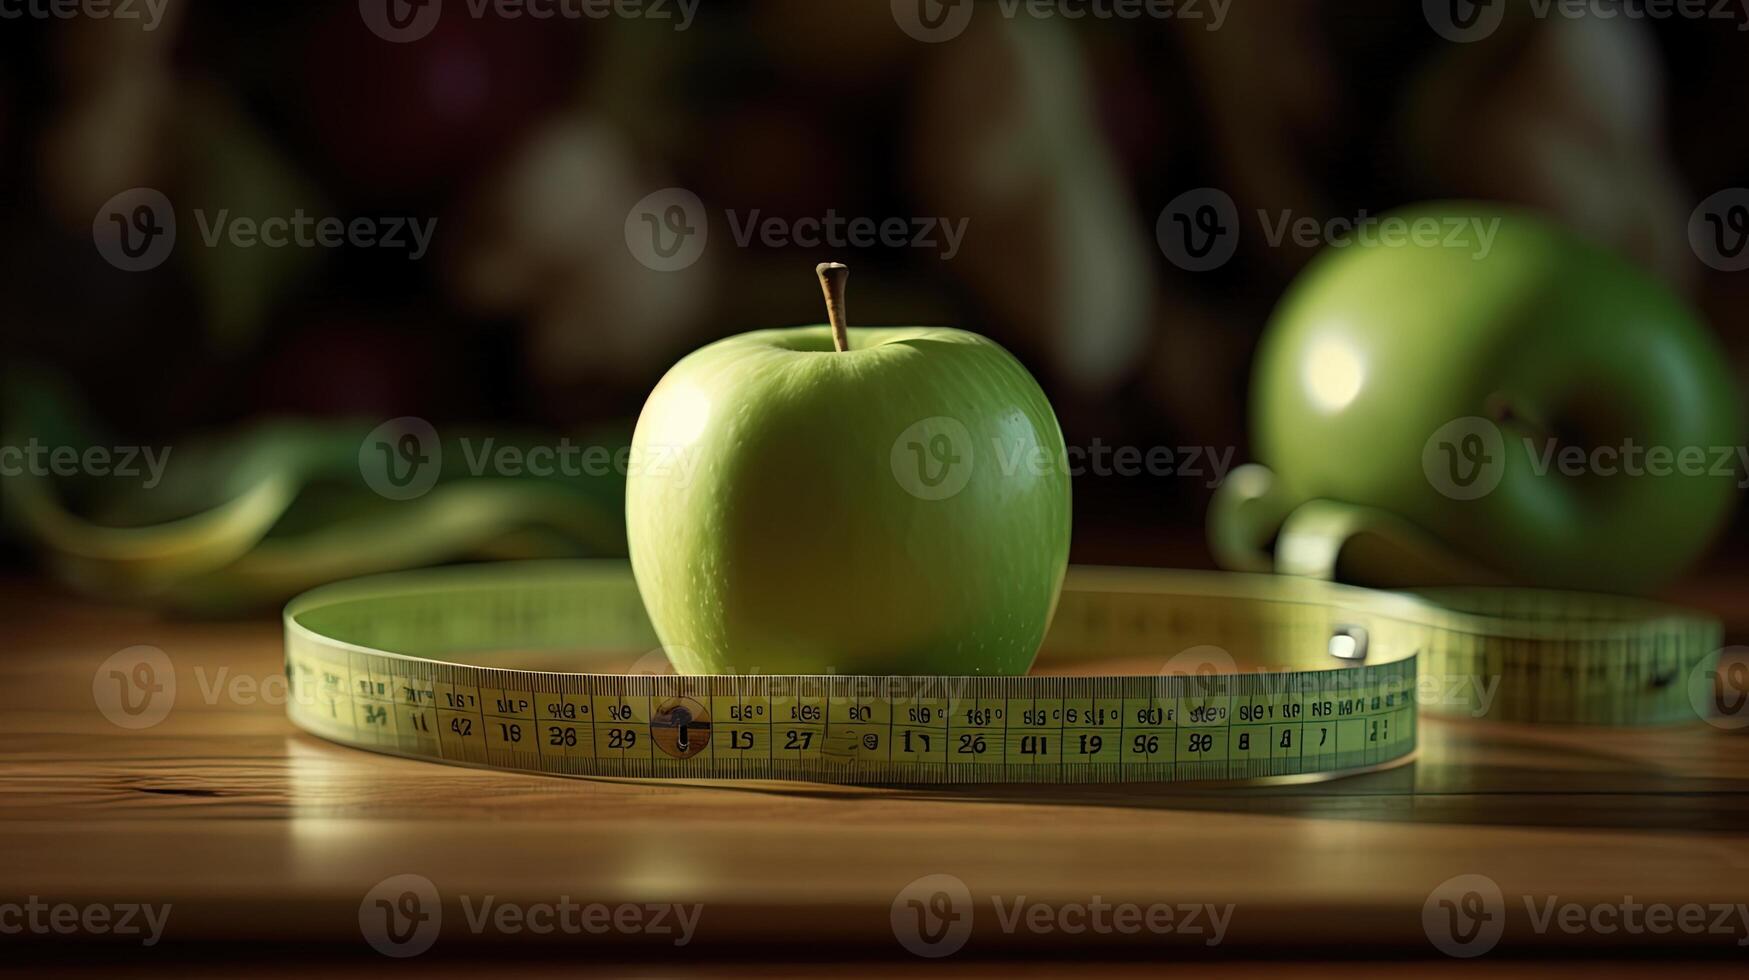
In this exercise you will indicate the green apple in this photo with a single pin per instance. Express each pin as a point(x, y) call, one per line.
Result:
point(868, 501)
point(1497, 383)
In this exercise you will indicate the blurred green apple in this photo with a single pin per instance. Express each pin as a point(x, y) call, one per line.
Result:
point(1537, 404)
point(879, 501)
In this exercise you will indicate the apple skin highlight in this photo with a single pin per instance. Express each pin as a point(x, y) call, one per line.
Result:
point(898, 507)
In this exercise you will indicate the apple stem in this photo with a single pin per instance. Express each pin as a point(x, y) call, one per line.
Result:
point(832, 278)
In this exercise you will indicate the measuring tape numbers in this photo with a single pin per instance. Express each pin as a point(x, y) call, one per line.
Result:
point(1235, 677)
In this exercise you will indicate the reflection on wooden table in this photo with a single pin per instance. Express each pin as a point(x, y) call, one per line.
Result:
point(253, 831)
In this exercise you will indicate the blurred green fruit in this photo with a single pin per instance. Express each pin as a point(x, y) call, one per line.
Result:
point(1537, 404)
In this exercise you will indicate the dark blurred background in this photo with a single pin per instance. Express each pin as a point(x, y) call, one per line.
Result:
point(531, 141)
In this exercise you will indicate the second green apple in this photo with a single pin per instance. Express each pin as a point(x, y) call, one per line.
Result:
point(1534, 402)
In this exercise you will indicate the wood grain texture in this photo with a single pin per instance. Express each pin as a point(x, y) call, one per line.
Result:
point(263, 836)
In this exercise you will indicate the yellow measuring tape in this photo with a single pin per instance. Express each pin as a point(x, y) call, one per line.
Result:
point(1223, 677)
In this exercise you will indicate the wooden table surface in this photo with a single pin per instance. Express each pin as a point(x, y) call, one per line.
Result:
point(266, 839)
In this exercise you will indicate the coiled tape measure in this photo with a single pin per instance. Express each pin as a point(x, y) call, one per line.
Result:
point(1302, 679)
